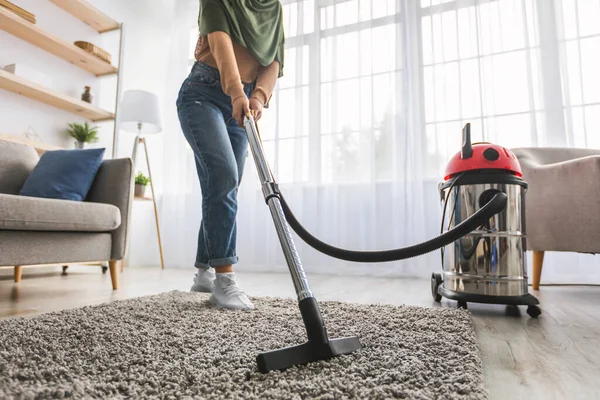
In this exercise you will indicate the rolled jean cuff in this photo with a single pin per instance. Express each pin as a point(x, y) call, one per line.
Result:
point(201, 265)
point(219, 262)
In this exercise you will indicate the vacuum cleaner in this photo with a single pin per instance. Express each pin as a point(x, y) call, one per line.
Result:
point(485, 240)
point(488, 265)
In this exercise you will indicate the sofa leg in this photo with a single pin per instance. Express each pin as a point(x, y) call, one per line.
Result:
point(114, 273)
point(538, 261)
point(18, 271)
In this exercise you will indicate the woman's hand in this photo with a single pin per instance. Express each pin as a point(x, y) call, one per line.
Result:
point(256, 106)
point(241, 108)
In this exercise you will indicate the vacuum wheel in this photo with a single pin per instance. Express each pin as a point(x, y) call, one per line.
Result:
point(461, 304)
point(534, 311)
point(436, 281)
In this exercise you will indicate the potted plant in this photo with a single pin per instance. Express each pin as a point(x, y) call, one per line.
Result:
point(141, 181)
point(83, 134)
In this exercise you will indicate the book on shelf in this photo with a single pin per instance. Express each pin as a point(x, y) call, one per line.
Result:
point(18, 11)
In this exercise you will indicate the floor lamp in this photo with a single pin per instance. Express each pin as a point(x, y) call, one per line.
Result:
point(140, 114)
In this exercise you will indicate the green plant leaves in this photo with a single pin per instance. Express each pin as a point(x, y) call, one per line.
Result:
point(141, 179)
point(83, 132)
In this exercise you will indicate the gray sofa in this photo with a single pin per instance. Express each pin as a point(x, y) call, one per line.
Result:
point(35, 231)
point(563, 210)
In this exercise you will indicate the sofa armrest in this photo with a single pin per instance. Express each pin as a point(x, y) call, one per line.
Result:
point(114, 185)
point(563, 213)
point(535, 156)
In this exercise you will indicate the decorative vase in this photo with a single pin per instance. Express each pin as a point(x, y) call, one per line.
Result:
point(140, 190)
point(87, 96)
point(80, 145)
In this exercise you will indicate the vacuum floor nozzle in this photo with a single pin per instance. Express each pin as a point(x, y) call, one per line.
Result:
point(306, 353)
point(319, 346)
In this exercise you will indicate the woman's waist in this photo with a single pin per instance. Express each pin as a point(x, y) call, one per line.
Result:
point(212, 72)
point(207, 74)
point(247, 64)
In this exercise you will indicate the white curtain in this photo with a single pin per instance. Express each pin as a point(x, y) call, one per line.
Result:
point(180, 205)
point(371, 107)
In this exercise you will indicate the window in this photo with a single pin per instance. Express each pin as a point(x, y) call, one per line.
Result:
point(579, 34)
point(334, 110)
point(479, 66)
point(339, 114)
point(488, 55)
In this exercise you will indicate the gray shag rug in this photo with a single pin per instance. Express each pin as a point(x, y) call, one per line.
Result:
point(177, 345)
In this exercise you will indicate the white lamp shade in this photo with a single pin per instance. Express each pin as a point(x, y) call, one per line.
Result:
point(140, 107)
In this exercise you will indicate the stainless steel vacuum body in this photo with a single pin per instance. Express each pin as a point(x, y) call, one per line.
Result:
point(489, 261)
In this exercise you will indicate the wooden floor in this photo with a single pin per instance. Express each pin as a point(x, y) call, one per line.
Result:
point(555, 357)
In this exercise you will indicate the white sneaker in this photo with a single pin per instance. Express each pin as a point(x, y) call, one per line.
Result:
point(227, 293)
point(204, 281)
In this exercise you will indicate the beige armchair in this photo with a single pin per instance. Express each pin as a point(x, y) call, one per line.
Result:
point(563, 201)
point(35, 231)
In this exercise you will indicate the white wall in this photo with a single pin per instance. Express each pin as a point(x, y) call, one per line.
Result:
point(147, 41)
point(18, 113)
point(147, 24)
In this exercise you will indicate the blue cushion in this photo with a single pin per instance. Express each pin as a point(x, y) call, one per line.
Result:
point(64, 174)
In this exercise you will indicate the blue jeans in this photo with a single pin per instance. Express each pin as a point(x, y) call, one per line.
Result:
point(220, 147)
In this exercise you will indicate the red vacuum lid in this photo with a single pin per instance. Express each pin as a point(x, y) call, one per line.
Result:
point(480, 156)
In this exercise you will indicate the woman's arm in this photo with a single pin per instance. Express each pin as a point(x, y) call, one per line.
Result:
point(267, 77)
point(265, 82)
point(221, 48)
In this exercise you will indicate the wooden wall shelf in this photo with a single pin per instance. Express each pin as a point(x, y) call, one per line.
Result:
point(89, 14)
point(29, 32)
point(34, 91)
point(40, 147)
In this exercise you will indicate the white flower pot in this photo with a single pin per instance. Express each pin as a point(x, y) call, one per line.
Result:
point(140, 190)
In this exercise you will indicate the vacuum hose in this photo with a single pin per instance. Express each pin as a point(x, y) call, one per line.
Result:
point(494, 206)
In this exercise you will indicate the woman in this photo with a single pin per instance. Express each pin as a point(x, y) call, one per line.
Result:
point(239, 56)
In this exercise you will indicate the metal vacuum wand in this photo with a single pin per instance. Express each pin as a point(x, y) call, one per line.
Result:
point(319, 346)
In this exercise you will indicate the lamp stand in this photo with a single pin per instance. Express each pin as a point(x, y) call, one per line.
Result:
point(140, 139)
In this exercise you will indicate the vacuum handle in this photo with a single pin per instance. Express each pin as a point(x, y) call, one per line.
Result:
point(264, 172)
point(271, 194)
point(467, 148)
